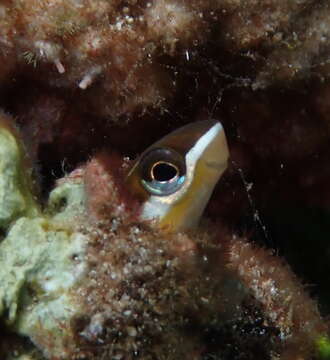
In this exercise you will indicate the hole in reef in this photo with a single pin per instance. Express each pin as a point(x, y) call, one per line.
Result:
point(61, 204)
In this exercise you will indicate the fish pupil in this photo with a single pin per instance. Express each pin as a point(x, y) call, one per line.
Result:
point(164, 171)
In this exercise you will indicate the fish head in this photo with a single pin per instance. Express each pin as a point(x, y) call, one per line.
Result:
point(175, 177)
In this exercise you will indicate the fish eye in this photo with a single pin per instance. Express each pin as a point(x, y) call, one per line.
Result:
point(163, 171)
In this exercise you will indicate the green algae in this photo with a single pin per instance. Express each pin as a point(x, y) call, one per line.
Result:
point(16, 198)
point(323, 348)
point(41, 252)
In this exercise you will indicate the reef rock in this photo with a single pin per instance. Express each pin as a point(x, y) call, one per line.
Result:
point(85, 278)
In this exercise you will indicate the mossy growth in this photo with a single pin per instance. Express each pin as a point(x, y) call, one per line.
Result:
point(323, 347)
point(16, 195)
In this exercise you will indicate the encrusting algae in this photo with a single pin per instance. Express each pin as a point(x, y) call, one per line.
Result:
point(85, 277)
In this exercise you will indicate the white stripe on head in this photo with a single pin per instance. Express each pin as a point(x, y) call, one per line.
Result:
point(201, 144)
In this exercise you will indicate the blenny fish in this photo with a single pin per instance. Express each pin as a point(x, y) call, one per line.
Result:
point(175, 177)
